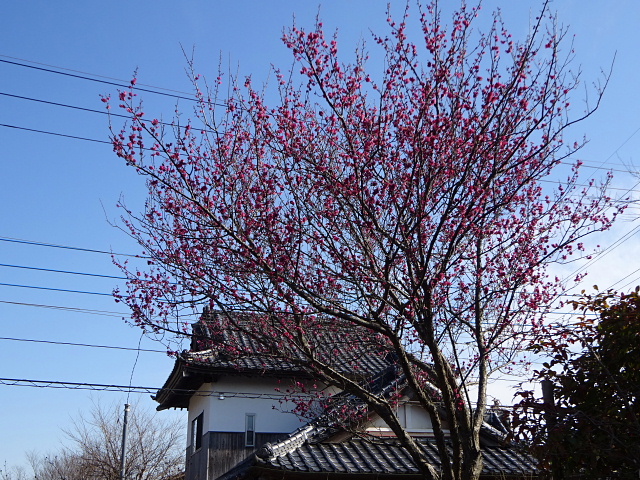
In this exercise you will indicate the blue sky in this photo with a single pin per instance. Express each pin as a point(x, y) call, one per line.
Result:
point(63, 191)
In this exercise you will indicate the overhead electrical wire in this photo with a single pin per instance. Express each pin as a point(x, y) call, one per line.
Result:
point(624, 278)
point(595, 258)
point(55, 289)
point(72, 344)
point(67, 247)
point(124, 84)
point(69, 272)
point(87, 139)
point(106, 82)
point(24, 382)
point(155, 90)
point(133, 368)
point(56, 134)
point(91, 74)
point(83, 109)
point(63, 271)
point(192, 99)
point(65, 105)
point(128, 117)
point(121, 84)
point(598, 256)
point(85, 311)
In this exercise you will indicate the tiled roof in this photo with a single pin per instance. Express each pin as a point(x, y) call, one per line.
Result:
point(381, 456)
point(240, 346)
point(231, 348)
point(260, 364)
point(309, 451)
point(235, 345)
point(312, 449)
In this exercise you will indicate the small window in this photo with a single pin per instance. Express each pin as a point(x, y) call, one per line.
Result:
point(196, 432)
point(250, 430)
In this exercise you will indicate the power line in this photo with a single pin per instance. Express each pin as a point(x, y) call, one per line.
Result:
point(600, 167)
point(106, 82)
point(83, 345)
point(85, 311)
point(83, 109)
point(74, 137)
point(62, 271)
point(125, 84)
point(91, 74)
point(559, 182)
point(630, 282)
point(66, 272)
point(55, 289)
point(24, 382)
point(622, 144)
point(135, 363)
point(128, 117)
point(120, 83)
point(54, 245)
point(47, 102)
point(605, 251)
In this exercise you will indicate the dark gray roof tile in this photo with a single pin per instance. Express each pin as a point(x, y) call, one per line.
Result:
point(235, 342)
point(232, 348)
point(386, 456)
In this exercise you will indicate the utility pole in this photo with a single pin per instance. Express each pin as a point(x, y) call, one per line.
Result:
point(551, 420)
point(124, 441)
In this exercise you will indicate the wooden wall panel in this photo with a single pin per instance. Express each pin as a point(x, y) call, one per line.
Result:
point(221, 451)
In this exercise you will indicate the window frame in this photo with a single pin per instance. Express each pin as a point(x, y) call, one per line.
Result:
point(196, 432)
point(250, 430)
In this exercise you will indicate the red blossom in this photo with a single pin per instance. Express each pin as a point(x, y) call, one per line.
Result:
point(408, 202)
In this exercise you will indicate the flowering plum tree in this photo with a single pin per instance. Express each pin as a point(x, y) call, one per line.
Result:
point(406, 203)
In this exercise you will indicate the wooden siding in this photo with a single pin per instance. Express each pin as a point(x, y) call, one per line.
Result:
point(222, 451)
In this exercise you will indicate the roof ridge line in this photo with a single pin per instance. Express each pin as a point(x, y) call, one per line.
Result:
point(294, 440)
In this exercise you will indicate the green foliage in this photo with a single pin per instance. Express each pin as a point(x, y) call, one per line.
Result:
point(594, 428)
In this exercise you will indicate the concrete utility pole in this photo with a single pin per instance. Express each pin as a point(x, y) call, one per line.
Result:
point(124, 441)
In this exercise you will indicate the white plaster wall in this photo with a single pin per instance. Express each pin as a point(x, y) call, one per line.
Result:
point(412, 417)
point(417, 418)
point(228, 415)
point(198, 404)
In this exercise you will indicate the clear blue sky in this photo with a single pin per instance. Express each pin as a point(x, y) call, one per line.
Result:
point(63, 191)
